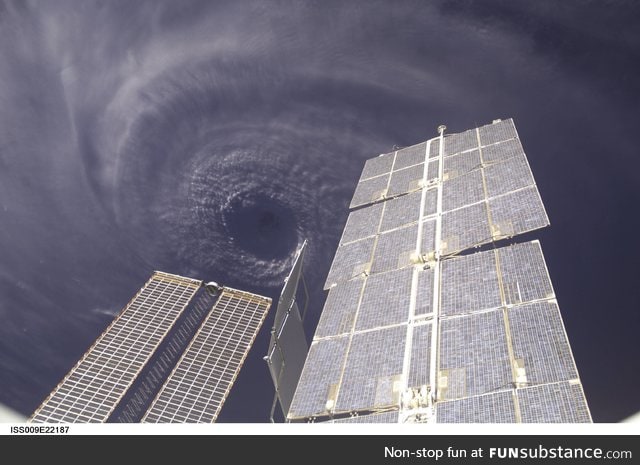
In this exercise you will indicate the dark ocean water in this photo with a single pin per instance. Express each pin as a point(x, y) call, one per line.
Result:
point(210, 139)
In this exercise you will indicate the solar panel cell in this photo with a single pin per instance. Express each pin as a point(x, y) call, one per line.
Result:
point(474, 358)
point(463, 163)
point(462, 191)
point(540, 344)
point(401, 211)
point(410, 156)
point(370, 190)
point(424, 298)
point(465, 228)
point(524, 273)
point(395, 249)
point(502, 151)
point(420, 356)
point(362, 223)
point(385, 300)
point(351, 260)
point(508, 176)
point(518, 212)
point(490, 408)
point(554, 403)
point(470, 284)
point(374, 363)
point(320, 377)
point(497, 132)
point(338, 314)
point(456, 143)
point(377, 166)
point(434, 148)
point(406, 180)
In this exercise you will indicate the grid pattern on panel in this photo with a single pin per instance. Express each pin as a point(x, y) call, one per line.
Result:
point(518, 212)
point(394, 249)
point(410, 156)
point(401, 211)
point(463, 190)
point(502, 151)
point(460, 142)
point(428, 244)
point(540, 343)
point(554, 403)
point(320, 375)
point(289, 291)
point(433, 171)
point(463, 163)
point(434, 148)
point(385, 300)
point(473, 356)
point(497, 132)
point(350, 261)
point(362, 223)
point(340, 308)
point(420, 356)
point(508, 176)
point(524, 273)
point(92, 389)
point(374, 361)
point(430, 202)
point(406, 180)
point(491, 408)
point(424, 299)
point(369, 191)
point(377, 166)
point(384, 417)
point(199, 384)
point(134, 403)
point(465, 228)
point(469, 284)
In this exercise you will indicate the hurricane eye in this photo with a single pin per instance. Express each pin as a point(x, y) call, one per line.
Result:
point(261, 225)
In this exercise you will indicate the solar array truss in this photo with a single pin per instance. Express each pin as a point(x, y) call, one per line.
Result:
point(94, 386)
point(420, 327)
point(199, 384)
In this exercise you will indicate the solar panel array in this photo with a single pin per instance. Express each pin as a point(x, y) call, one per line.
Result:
point(288, 345)
point(199, 384)
point(487, 189)
point(135, 402)
point(93, 388)
point(413, 313)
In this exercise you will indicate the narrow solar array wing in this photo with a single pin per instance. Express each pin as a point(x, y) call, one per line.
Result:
point(95, 385)
point(288, 345)
point(418, 325)
point(197, 387)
